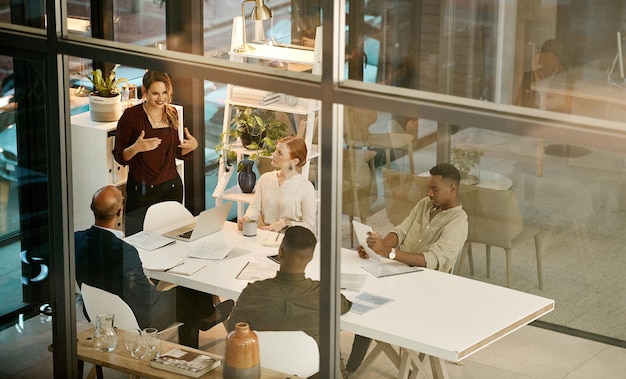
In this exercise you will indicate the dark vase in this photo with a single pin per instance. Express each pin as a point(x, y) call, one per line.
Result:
point(242, 359)
point(246, 177)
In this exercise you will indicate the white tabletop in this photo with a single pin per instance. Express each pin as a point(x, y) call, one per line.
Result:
point(438, 314)
point(587, 82)
point(219, 277)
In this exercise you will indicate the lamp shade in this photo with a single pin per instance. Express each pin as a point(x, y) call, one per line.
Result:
point(261, 11)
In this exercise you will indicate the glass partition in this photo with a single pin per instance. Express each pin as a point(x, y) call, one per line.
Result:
point(25, 270)
point(542, 73)
point(554, 56)
point(529, 232)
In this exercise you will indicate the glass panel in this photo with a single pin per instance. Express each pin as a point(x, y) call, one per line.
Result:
point(25, 257)
point(547, 222)
point(142, 22)
point(560, 56)
point(31, 13)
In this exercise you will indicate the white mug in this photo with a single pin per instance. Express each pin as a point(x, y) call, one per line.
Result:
point(249, 228)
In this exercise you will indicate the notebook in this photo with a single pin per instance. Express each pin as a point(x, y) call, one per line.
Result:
point(210, 251)
point(147, 240)
point(208, 222)
point(380, 268)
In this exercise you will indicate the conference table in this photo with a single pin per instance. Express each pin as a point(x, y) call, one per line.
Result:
point(432, 315)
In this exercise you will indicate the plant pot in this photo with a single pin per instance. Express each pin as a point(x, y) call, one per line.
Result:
point(105, 109)
point(246, 177)
point(247, 138)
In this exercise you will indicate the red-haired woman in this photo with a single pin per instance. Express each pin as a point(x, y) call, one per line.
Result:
point(284, 197)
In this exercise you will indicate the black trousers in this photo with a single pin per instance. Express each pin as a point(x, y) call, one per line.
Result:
point(140, 196)
point(191, 307)
point(359, 349)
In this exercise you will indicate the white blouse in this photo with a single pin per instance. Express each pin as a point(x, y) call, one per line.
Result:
point(295, 200)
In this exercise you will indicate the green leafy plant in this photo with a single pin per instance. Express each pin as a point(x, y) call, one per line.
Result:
point(465, 159)
point(260, 125)
point(104, 87)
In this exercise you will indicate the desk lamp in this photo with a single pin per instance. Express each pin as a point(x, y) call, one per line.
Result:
point(259, 12)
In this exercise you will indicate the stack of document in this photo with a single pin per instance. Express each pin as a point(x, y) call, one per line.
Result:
point(256, 96)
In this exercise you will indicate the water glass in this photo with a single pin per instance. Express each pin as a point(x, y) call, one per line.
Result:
point(153, 342)
point(135, 343)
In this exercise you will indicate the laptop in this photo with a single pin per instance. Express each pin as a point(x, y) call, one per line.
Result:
point(208, 222)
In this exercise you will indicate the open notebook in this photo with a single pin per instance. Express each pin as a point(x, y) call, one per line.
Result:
point(379, 268)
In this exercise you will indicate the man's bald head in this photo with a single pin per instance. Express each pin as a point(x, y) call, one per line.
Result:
point(107, 204)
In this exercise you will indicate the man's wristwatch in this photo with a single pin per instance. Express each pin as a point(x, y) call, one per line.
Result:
point(392, 253)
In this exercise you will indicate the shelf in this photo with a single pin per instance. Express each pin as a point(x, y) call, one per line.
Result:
point(280, 106)
point(242, 151)
point(235, 194)
point(290, 57)
point(278, 53)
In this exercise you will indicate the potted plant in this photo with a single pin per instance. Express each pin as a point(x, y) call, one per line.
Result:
point(258, 129)
point(104, 100)
point(467, 160)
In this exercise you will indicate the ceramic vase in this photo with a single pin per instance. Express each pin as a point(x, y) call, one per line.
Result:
point(242, 360)
point(246, 177)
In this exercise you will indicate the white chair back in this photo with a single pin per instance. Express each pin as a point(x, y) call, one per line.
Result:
point(165, 213)
point(291, 352)
point(100, 301)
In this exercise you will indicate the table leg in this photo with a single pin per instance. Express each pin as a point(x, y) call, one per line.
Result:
point(438, 367)
point(540, 156)
point(382, 347)
point(412, 365)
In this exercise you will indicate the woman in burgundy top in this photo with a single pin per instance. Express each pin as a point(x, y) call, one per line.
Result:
point(147, 141)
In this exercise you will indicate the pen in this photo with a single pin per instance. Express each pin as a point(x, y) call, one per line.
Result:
point(278, 233)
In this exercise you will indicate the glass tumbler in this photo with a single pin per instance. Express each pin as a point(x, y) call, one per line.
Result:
point(135, 343)
point(153, 342)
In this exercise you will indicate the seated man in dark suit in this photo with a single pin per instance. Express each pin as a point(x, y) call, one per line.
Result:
point(104, 261)
point(288, 301)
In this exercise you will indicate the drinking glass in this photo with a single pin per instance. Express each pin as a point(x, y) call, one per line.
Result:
point(135, 343)
point(153, 342)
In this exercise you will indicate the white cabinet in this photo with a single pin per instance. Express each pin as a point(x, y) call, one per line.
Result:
point(296, 59)
point(93, 165)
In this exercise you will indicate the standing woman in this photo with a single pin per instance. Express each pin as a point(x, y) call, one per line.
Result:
point(284, 197)
point(147, 141)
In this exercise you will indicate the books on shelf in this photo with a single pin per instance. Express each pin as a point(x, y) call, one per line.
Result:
point(187, 363)
point(261, 97)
